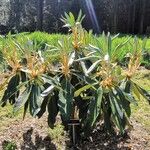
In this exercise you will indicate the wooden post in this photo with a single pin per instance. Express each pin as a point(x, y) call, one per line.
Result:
point(142, 16)
point(40, 15)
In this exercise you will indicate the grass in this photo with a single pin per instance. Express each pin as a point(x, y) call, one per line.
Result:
point(9, 145)
point(7, 116)
point(40, 40)
point(141, 113)
point(58, 135)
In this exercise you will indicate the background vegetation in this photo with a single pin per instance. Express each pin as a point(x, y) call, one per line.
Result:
point(40, 41)
point(125, 16)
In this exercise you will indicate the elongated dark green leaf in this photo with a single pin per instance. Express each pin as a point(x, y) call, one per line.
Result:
point(117, 111)
point(53, 109)
point(116, 106)
point(136, 91)
point(143, 92)
point(11, 91)
point(35, 100)
point(130, 98)
point(39, 97)
point(107, 113)
point(128, 86)
point(25, 109)
point(23, 76)
point(22, 99)
point(94, 108)
point(43, 106)
point(124, 102)
point(83, 107)
point(65, 102)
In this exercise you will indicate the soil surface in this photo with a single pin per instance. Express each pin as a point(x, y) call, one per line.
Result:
point(135, 139)
point(31, 134)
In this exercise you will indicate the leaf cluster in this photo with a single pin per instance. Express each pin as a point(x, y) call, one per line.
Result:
point(86, 83)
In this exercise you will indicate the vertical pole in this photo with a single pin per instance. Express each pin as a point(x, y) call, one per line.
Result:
point(115, 7)
point(142, 15)
point(40, 15)
point(133, 15)
point(73, 136)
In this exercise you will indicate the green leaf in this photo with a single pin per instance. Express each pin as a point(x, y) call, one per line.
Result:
point(136, 91)
point(47, 91)
point(72, 58)
point(87, 80)
point(23, 77)
point(107, 113)
point(104, 43)
point(93, 66)
point(22, 99)
point(117, 111)
point(83, 65)
point(116, 36)
point(116, 106)
point(65, 102)
point(11, 91)
point(94, 49)
point(51, 80)
point(25, 109)
point(86, 58)
point(35, 100)
point(52, 109)
point(94, 108)
point(80, 17)
point(109, 45)
point(71, 18)
point(128, 86)
point(144, 44)
point(84, 88)
point(43, 106)
point(82, 105)
point(143, 92)
point(118, 49)
point(130, 98)
point(124, 102)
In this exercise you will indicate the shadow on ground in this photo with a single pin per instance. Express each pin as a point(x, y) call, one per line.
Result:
point(31, 143)
point(99, 140)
